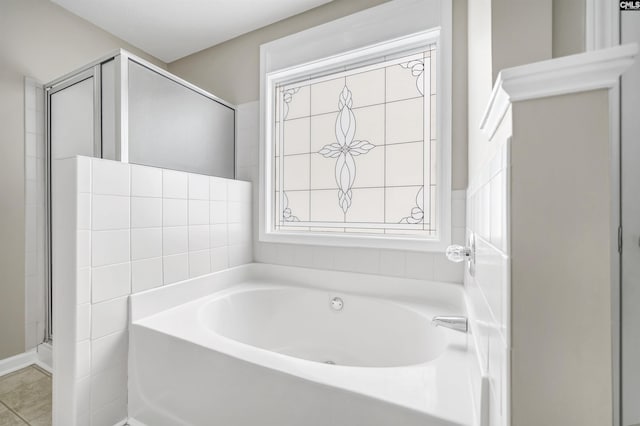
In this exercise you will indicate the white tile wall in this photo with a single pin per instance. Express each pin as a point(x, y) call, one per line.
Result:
point(137, 228)
point(399, 263)
point(488, 289)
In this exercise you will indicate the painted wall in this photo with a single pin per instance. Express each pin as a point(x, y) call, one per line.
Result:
point(569, 17)
point(561, 371)
point(501, 34)
point(124, 229)
point(40, 40)
point(231, 69)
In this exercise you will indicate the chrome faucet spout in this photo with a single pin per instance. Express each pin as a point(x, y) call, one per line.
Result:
point(453, 322)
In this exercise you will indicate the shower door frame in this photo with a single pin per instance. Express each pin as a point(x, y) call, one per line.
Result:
point(93, 69)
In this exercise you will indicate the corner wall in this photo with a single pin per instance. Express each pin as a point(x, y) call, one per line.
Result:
point(561, 372)
point(121, 229)
point(41, 40)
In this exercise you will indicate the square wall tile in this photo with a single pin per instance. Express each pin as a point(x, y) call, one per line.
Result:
point(109, 247)
point(109, 317)
point(239, 190)
point(238, 233)
point(198, 212)
point(239, 254)
point(146, 274)
point(109, 212)
point(110, 177)
point(174, 184)
point(83, 359)
point(146, 243)
point(175, 268)
point(84, 211)
point(83, 322)
point(108, 386)
point(219, 258)
point(174, 212)
point(218, 235)
point(392, 263)
point(218, 189)
point(110, 414)
point(146, 181)
point(199, 263)
point(84, 174)
point(109, 351)
point(175, 240)
point(198, 237)
point(218, 212)
point(146, 212)
point(84, 285)
point(419, 265)
point(109, 282)
point(83, 246)
point(198, 187)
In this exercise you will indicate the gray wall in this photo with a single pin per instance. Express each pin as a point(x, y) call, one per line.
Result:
point(561, 362)
point(43, 41)
point(569, 17)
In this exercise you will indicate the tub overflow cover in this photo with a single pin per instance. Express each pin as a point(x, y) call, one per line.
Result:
point(337, 304)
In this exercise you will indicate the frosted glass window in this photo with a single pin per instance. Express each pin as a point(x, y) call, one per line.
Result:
point(354, 151)
point(174, 127)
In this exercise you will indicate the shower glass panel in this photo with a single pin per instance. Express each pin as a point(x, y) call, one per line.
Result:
point(123, 108)
point(174, 127)
point(72, 120)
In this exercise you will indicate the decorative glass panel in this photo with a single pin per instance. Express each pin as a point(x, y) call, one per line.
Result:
point(355, 150)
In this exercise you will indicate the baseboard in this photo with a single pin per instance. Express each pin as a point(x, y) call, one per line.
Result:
point(45, 357)
point(16, 362)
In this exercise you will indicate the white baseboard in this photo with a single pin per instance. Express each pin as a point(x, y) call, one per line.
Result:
point(45, 357)
point(16, 362)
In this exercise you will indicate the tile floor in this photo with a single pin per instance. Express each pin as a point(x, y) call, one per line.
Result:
point(25, 398)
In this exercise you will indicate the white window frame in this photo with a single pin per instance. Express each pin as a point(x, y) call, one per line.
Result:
point(440, 35)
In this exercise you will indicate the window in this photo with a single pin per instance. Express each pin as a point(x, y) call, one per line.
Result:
point(352, 148)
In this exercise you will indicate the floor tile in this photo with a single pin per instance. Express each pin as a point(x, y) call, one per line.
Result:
point(30, 400)
point(7, 418)
point(21, 377)
point(27, 392)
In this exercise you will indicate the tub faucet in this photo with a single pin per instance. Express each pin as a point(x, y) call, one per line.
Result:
point(454, 323)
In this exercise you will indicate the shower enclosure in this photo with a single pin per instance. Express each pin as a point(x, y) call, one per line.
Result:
point(124, 108)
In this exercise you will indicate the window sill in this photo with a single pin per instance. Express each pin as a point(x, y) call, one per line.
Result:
point(357, 241)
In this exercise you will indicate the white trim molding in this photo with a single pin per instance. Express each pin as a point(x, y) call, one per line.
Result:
point(598, 69)
point(17, 362)
point(601, 24)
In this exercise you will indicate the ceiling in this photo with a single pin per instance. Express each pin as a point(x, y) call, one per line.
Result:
point(172, 29)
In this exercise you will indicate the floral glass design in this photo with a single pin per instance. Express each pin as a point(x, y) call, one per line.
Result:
point(354, 151)
point(345, 149)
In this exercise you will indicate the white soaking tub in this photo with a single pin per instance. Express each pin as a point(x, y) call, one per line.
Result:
point(262, 345)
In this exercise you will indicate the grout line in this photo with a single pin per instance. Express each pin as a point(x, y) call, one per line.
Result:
point(15, 413)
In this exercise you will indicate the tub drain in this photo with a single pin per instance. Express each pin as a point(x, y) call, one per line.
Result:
point(330, 362)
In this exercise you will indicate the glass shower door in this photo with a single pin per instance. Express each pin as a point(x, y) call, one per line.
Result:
point(73, 119)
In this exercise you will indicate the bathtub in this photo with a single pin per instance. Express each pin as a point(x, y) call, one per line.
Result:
point(262, 345)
